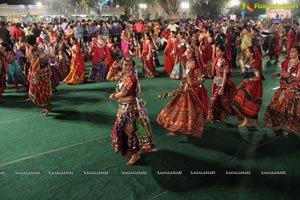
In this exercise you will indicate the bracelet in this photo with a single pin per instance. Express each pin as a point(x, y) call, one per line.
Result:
point(293, 77)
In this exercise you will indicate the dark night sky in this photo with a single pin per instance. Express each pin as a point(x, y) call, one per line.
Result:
point(16, 2)
point(33, 2)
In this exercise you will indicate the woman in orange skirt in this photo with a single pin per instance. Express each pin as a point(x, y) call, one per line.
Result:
point(77, 74)
point(187, 111)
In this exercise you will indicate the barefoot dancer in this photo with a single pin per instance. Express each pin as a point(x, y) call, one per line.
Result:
point(39, 76)
point(248, 99)
point(284, 109)
point(187, 111)
point(223, 89)
point(132, 131)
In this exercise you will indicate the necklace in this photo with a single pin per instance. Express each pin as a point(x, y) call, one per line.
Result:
point(292, 65)
point(293, 61)
point(250, 61)
point(220, 60)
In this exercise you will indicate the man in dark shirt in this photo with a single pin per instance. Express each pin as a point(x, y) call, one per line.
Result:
point(35, 30)
point(4, 34)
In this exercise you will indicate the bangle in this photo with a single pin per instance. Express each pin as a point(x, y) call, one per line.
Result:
point(293, 77)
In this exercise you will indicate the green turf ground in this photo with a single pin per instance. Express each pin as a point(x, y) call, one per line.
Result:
point(75, 138)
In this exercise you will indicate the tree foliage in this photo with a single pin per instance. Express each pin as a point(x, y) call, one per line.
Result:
point(210, 8)
point(89, 5)
point(131, 4)
point(127, 4)
point(63, 7)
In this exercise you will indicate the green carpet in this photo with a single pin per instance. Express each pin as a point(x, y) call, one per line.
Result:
point(75, 138)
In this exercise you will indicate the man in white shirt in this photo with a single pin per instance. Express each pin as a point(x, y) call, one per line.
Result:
point(172, 26)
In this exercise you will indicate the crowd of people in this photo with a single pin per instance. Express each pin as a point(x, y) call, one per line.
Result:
point(40, 56)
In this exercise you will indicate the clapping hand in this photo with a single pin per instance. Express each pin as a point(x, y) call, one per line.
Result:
point(116, 64)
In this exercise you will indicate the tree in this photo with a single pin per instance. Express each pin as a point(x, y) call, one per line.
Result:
point(210, 8)
point(170, 7)
point(62, 7)
point(127, 4)
point(130, 4)
point(91, 5)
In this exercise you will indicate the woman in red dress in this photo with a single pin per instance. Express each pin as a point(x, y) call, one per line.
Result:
point(100, 53)
point(147, 57)
point(291, 41)
point(169, 54)
point(223, 89)
point(284, 109)
point(178, 71)
point(248, 99)
point(187, 111)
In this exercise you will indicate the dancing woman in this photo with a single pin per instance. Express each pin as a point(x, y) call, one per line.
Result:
point(99, 55)
point(77, 74)
point(39, 75)
point(223, 89)
point(187, 111)
point(15, 73)
point(291, 41)
point(169, 53)
point(147, 58)
point(132, 131)
point(63, 59)
point(284, 109)
point(178, 71)
point(248, 99)
point(3, 71)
